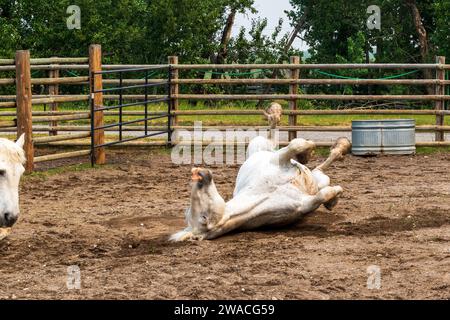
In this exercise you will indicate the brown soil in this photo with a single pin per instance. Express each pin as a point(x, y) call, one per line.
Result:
point(114, 223)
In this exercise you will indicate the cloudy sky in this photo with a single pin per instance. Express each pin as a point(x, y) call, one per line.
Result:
point(272, 10)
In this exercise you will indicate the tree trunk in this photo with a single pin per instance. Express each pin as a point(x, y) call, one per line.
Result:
point(423, 39)
point(223, 49)
point(226, 36)
point(297, 29)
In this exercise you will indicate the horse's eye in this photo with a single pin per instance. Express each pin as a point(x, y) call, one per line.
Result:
point(2, 173)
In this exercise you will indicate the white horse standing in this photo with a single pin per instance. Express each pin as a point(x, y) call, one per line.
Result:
point(272, 188)
point(12, 159)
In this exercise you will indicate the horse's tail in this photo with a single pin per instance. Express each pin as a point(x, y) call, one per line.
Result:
point(181, 235)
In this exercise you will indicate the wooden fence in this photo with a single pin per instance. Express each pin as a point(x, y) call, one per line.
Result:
point(18, 116)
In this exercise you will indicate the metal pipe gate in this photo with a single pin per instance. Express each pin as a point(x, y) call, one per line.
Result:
point(120, 105)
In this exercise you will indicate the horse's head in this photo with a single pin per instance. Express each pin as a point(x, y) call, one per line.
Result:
point(207, 206)
point(12, 159)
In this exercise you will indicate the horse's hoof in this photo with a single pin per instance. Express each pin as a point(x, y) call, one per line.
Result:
point(331, 204)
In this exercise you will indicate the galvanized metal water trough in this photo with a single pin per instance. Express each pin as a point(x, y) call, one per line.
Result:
point(392, 136)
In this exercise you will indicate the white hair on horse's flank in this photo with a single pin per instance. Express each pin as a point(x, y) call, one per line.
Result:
point(11, 151)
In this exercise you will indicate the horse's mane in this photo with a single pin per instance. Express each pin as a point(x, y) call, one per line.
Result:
point(11, 151)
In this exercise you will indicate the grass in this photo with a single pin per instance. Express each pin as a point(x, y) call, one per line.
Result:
point(67, 168)
point(432, 150)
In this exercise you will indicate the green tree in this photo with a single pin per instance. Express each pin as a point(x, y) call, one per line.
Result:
point(330, 23)
point(130, 31)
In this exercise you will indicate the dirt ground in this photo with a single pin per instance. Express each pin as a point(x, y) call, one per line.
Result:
point(113, 224)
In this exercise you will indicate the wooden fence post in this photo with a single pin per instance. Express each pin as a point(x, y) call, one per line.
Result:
point(53, 89)
point(293, 89)
point(439, 104)
point(95, 65)
point(23, 105)
point(174, 89)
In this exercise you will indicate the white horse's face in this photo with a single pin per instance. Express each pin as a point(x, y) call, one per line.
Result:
point(12, 159)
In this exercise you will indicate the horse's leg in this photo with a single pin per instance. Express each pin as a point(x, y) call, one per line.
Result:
point(299, 149)
point(325, 196)
point(338, 150)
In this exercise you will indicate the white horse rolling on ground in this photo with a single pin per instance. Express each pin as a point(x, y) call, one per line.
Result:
point(12, 159)
point(273, 188)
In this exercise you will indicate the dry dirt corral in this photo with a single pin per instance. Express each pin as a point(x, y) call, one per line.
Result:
point(113, 223)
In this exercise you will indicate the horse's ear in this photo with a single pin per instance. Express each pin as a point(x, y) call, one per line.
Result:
point(20, 142)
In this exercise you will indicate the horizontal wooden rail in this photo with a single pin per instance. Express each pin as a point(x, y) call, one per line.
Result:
point(66, 98)
point(8, 104)
point(38, 99)
point(8, 124)
point(62, 137)
point(37, 61)
point(157, 143)
point(84, 128)
point(8, 68)
point(6, 61)
point(78, 116)
point(367, 112)
point(433, 144)
point(58, 60)
point(8, 97)
point(287, 81)
point(82, 97)
point(248, 112)
point(335, 66)
point(314, 81)
point(253, 112)
point(48, 67)
point(60, 67)
point(164, 143)
point(7, 65)
point(137, 128)
point(46, 113)
point(430, 128)
point(312, 112)
point(64, 80)
point(62, 155)
point(83, 80)
point(307, 97)
point(426, 128)
point(4, 82)
point(287, 66)
point(205, 143)
point(159, 67)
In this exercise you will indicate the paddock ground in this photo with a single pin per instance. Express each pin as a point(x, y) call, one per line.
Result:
point(113, 223)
